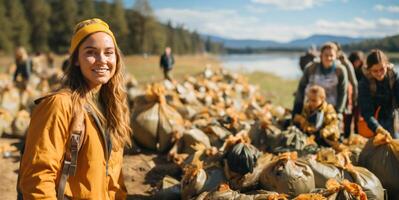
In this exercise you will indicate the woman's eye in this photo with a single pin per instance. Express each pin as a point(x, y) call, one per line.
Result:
point(90, 52)
point(109, 53)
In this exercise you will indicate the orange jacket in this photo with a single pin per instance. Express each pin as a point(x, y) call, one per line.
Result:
point(42, 161)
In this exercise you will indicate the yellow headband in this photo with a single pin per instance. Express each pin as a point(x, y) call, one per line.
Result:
point(98, 26)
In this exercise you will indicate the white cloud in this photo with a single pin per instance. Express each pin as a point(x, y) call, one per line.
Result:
point(256, 9)
point(232, 24)
point(291, 4)
point(390, 8)
point(359, 27)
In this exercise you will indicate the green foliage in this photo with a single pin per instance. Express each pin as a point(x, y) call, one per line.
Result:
point(19, 27)
point(390, 44)
point(86, 9)
point(118, 24)
point(103, 9)
point(61, 30)
point(38, 13)
point(5, 43)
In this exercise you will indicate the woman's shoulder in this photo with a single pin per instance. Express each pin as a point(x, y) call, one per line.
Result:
point(56, 99)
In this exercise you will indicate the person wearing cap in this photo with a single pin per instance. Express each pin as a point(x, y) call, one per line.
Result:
point(74, 144)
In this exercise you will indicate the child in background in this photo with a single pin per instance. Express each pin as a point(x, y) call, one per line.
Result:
point(319, 118)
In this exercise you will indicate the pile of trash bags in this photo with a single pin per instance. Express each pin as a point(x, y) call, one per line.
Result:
point(231, 143)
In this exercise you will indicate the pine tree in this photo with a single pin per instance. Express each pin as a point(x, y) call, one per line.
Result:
point(62, 24)
point(38, 13)
point(103, 9)
point(144, 8)
point(5, 43)
point(134, 22)
point(119, 25)
point(19, 27)
point(86, 9)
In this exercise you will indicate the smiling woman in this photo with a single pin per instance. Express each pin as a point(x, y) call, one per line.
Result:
point(74, 145)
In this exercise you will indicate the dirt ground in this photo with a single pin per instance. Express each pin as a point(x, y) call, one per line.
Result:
point(143, 171)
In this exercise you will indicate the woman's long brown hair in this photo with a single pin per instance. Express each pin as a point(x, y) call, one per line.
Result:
point(112, 97)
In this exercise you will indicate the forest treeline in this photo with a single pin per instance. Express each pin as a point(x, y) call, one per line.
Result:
point(389, 44)
point(47, 25)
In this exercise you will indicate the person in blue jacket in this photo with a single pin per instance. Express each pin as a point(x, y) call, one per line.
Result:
point(378, 94)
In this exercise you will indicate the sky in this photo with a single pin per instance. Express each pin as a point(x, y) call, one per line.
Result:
point(281, 20)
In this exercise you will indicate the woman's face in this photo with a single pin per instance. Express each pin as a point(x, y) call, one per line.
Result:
point(314, 102)
point(378, 71)
point(97, 59)
point(327, 57)
point(357, 64)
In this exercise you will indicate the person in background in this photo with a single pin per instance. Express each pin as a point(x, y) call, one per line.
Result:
point(23, 68)
point(319, 118)
point(50, 59)
point(330, 75)
point(352, 90)
point(75, 140)
point(357, 60)
point(166, 62)
point(378, 94)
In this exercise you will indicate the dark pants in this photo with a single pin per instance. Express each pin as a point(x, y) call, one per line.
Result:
point(166, 73)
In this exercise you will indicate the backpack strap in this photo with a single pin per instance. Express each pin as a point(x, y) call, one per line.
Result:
point(71, 154)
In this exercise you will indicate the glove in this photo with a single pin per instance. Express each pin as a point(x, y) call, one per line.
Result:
point(381, 130)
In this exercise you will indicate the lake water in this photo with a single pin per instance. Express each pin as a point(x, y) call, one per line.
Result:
point(285, 65)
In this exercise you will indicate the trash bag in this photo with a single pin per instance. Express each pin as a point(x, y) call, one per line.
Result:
point(265, 138)
point(200, 180)
point(10, 100)
point(291, 139)
point(370, 184)
point(224, 192)
point(20, 124)
point(6, 120)
point(242, 157)
point(153, 121)
point(338, 166)
point(250, 181)
point(286, 174)
point(193, 181)
point(217, 134)
point(342, 190)
point(193, 136)
point(311, 196)
point(170, 189)
point(381, 157)
point(323, 172)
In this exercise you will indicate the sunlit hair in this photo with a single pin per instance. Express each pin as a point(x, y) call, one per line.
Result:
point(20, 54)
point(112, 96)
point(316, 91)
point(329, 45)
point(376, 56)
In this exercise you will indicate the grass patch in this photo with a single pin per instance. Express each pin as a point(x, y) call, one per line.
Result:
point(279, 91)
point(147, 69)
